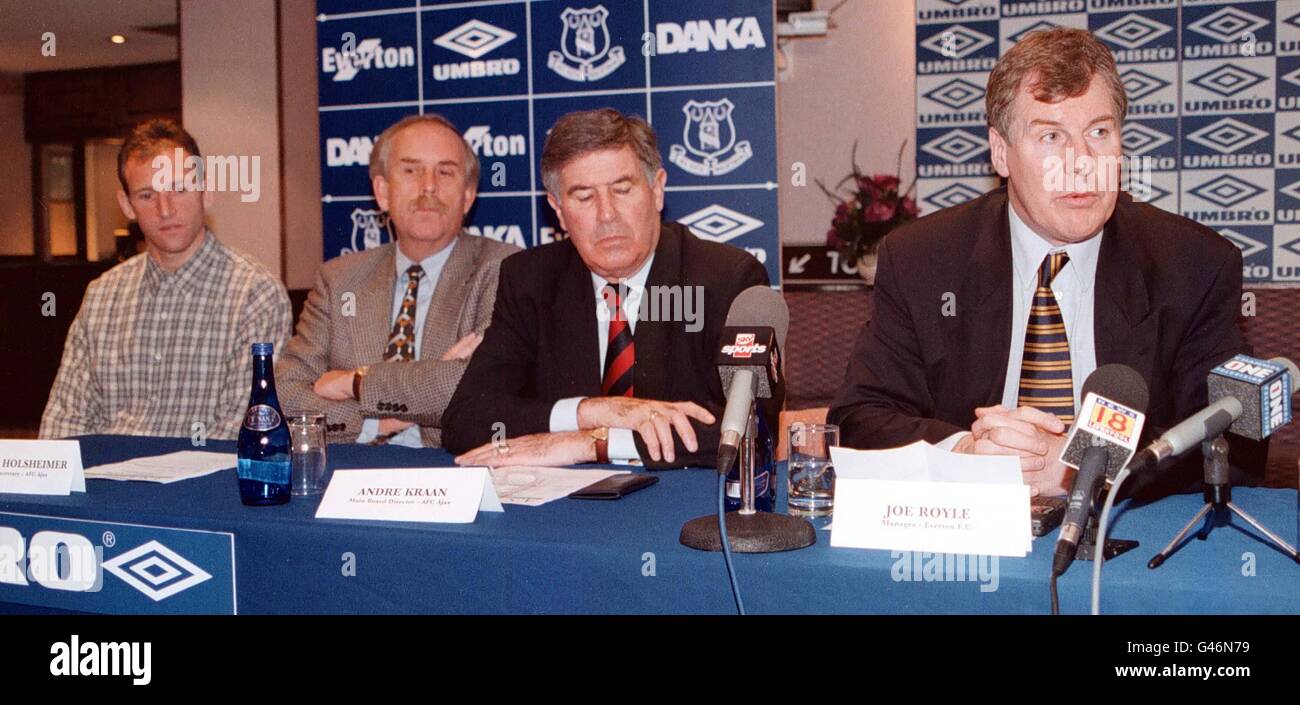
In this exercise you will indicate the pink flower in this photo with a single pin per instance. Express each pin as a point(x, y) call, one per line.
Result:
point(885, 182)
point(909, 208)
point(879, 211)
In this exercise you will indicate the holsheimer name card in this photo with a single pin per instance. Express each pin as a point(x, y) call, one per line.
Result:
point(921, 498)
point(434, 495)
point(41, 467)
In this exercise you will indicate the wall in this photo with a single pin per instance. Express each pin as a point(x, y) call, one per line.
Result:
point(859, 83)
point(229, 99)
point(16, 196)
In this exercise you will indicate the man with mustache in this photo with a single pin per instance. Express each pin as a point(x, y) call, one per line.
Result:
point(575, 367)
point(1052, 275)
point(386, 333)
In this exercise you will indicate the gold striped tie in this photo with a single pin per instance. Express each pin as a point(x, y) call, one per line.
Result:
point(1045, 379)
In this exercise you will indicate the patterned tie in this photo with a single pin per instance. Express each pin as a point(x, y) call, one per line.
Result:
point(620, 355)
point(401, 342)
point(1045, 379)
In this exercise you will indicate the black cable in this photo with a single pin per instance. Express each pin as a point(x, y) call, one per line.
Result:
point(726, 544)
point(1056, 605)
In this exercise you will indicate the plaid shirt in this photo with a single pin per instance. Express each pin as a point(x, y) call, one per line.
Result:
point(154, 353)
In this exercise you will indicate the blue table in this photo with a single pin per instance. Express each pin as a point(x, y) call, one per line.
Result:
point(574, 556)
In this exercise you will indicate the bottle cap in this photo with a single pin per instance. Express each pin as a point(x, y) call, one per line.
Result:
point(263, 348)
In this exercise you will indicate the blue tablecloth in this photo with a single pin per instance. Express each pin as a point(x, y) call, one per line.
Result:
point(573, 556)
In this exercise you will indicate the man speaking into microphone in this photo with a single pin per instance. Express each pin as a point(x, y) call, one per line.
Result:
point(602, 346)
point(989, 315)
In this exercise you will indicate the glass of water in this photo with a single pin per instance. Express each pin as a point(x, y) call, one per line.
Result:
point(812, 476)
point(307, 453)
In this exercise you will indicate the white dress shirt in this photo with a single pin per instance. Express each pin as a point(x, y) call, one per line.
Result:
point(564, 415)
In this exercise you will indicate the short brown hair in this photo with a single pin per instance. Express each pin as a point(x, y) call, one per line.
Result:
point(589, 131)
point(383, 143)
point(1060, 63)
point(151, 138)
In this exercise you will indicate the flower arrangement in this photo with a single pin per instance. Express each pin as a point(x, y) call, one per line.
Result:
point(867, 210)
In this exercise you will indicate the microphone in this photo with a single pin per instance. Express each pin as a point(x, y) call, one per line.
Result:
point(1248, 396)
point(749, 362)
point(1105, 435)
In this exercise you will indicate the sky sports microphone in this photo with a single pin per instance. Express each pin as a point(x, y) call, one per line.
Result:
point(1103, 438)
point(1248, 396)
point(749, 362)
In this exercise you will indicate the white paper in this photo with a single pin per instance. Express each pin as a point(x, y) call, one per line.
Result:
point(432, 495)
point(165, 469)
point(922, 498)
point(534, 486)
point(41, 467)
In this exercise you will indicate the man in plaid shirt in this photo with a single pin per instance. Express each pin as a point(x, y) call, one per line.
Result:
point(161, 344)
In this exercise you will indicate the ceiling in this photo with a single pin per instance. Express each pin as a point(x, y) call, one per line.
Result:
point(81, 30)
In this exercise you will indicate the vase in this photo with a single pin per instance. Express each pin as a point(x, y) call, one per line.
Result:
point(867, 268)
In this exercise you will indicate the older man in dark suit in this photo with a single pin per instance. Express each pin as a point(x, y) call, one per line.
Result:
point(989, 315)
point(602, 345)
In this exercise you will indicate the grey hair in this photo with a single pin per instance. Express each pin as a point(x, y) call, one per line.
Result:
point(379, 153)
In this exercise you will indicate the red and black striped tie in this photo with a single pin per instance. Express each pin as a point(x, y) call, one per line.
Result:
point(620, 355)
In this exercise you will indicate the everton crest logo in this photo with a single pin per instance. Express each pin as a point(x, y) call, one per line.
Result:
point(369, 230)
point(710, 146)
point(585, 54)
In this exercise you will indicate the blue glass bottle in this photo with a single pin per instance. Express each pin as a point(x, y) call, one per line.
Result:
point(264, 440)
point(764, 455)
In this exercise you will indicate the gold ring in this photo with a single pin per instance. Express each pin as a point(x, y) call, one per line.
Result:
point(502, 448)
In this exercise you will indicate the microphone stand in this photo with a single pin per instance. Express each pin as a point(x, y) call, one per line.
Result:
point(749, 530)
point(1088, 540)
point(1219, 508)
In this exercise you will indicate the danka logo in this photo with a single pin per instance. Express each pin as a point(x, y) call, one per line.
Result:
point(348, 151)
point(585, 53)
point(709, 35)
point(744, 346)
point(510, 234)
point(369, 54)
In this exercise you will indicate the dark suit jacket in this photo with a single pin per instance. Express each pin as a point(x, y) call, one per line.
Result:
point(542, 345)
point(1168, 293)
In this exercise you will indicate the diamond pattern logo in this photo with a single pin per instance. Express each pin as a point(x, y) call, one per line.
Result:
point(1293, 20)
point(1041, 24)
point(1228, 79)
point(1293, 133)
point(959, 42)
point(1139, 139)
point(1227, 135)
point(1227, 25)
point(719, 224)
point(1133, 30)
point(1148, 193)
point(956, 146)
point(1140, 84)
point(1227, 191)
point(956, 94)
point(156, 571)
point(1293, 247)
point(1292, 190)
point(1293, 77)
point(474, 39)
point(1248, 246)
point(951, 195)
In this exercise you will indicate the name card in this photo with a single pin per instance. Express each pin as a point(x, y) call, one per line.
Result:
point(41, 467)
point(432, 495)
point(921, 498)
